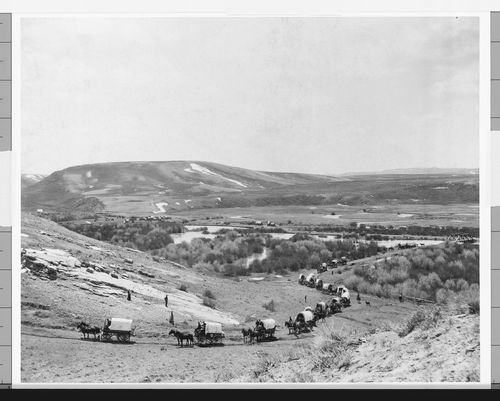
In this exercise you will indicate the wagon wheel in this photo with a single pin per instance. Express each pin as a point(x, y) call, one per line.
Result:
point(123, 337)
point(106, 337)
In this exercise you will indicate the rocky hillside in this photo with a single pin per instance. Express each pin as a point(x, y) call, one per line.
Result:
point(58, 263)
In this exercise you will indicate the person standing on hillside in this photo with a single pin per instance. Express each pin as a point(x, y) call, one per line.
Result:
point(129, 295)
point(166, 300)
point(305, 299)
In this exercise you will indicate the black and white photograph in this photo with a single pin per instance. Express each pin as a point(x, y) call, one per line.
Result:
point(249, 200)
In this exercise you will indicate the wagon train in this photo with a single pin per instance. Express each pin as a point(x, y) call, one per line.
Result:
point(208, 333)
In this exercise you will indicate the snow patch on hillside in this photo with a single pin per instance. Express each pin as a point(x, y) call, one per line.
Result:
point(203, 170)
point(161, 206)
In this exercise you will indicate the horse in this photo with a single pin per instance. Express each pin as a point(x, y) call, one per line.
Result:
point(86, 329)
point(290, 325)
point(319, 314)
point(248, 335)
point(181, 336)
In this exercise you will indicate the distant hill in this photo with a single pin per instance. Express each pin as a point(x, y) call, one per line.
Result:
point(162, 187)
point(430, 170)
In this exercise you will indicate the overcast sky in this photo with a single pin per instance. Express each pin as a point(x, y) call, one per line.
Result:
point(313, 95)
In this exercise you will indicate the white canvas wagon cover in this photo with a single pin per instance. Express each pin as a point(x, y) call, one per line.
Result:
point(118, 324)
point(322, 305)
point(269, 323)
point(310, 277)
point(307, 315)
point(327, 287)
point(213, 328)
point(335, 299)
point(302, 277)
point(346, 294)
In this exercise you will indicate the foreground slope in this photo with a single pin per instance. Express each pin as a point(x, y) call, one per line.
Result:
point(442, 349)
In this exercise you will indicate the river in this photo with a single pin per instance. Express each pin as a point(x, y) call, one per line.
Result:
point(189, 235)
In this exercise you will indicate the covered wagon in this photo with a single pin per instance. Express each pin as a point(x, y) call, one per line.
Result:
point(118, 327)
point(304, 316)
point(302, 279)
point(335, 305)
point(311, 280)
point(265, 329)
point(321, 310)
point(304, 322)
point(327, 288)
point(209, 333)
point(345, 296)
point(322, 268)
point(318, 284)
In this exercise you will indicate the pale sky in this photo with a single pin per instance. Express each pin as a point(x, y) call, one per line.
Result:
point(312, 95)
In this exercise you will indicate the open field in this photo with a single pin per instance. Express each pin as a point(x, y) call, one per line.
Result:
point(290, 216)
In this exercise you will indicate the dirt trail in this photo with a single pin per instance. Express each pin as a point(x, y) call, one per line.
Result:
point(69, 359)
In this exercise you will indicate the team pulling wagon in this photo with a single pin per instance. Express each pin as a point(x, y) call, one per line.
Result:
point(120, 328)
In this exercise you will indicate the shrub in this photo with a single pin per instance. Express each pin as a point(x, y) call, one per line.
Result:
point(333, 348)
point(471, 298)
point(423, 318)
point(208, 294)
point(183, 287)
point(270, 306)
point(208, 302)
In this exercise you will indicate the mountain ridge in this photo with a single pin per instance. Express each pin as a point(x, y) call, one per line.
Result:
point(155, 187)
